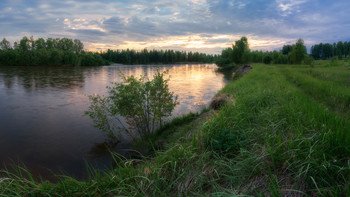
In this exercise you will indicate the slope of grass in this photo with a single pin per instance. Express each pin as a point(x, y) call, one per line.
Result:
point(282, 136)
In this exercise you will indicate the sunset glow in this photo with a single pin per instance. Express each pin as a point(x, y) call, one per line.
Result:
point(191, 25)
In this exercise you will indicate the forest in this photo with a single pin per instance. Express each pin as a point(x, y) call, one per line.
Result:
point(49, 52)
point(327, 50)
point(65, 51)
point(289, 54)
point(156, 56)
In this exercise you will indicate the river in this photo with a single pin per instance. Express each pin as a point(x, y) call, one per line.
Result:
point(41, 112)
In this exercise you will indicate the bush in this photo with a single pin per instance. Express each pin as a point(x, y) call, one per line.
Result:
point(223, 62)
point(143, 105)
point(309, 60)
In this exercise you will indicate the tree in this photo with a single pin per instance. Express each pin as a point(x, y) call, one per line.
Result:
point(50, 43)
point(66, 44)
point(267, 59)
point(286, 49)
point(53, 51)
point(298, 52)
point(78, 46)
point(32, 43)
point(340, 50)
point(143, 104)
point(5, 45)
point(240, 51)
point(225, 58)
point(327, 51)
point(24, 44)
point(40, 44)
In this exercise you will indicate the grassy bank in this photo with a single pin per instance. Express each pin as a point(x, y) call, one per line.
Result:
point(287, 133)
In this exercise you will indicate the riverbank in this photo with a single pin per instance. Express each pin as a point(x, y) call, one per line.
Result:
point(287, 133)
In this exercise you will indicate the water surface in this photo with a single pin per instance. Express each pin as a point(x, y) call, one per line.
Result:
point(41, 112)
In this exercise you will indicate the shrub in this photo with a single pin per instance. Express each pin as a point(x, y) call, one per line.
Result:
point(222, 62)
point(309, 60)
point(142, 104)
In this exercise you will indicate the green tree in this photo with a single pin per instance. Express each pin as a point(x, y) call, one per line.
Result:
point(327, 51)
point(78, 46)
point(340, 50)
point(5, 45)
point(267, 59)
point(240, 51)
point(40, 44)
point(66, 44)
point(298, 52)
point(225, 58)
point(50, 43)
point(24, 44)
point(143, 104)
point(32, 43)
point(56, 57)
point(286, 49)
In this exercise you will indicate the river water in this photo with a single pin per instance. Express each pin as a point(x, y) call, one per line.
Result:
point(41, 112)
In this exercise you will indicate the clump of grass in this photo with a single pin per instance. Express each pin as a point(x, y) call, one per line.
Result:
point(157, 140)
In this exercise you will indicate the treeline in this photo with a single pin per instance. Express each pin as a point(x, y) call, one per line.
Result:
point(52, 51)
point(327, 50)
point(156, 56)
point(289, 54)
point(239, 53)
point(65, 51)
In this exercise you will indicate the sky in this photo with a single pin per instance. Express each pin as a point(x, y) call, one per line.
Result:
point(189, 25)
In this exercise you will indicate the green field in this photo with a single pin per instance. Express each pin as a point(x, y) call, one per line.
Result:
point(286, 133)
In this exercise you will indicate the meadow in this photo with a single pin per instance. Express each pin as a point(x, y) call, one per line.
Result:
point(286, 131)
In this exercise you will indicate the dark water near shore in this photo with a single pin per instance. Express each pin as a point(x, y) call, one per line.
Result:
point(41, 112)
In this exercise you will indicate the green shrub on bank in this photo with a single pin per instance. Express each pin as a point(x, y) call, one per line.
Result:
point(134, 106)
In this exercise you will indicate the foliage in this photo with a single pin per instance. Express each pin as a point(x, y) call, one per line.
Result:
point(155, 56)
point(238, 54)
point(223, 62)
point(240, 51)
point(286, 49)
point(31, 52)
point(289, 54)
point(226, 58)
point(298, 52)
point(65, 51)
point(327, 50)
point(309, 60)
point(142, 104)
point(267, 59)
point(4, 44)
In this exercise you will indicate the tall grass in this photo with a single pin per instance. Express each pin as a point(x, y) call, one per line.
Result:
point(302, 141)
point(280, 137)
point(334, 95)
point(340, 76)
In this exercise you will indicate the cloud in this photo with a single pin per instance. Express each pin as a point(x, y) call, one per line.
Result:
point(287, 7)
point(178, 24)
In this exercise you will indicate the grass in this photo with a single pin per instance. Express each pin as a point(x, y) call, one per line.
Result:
point(332, 94)
point(287, 133)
